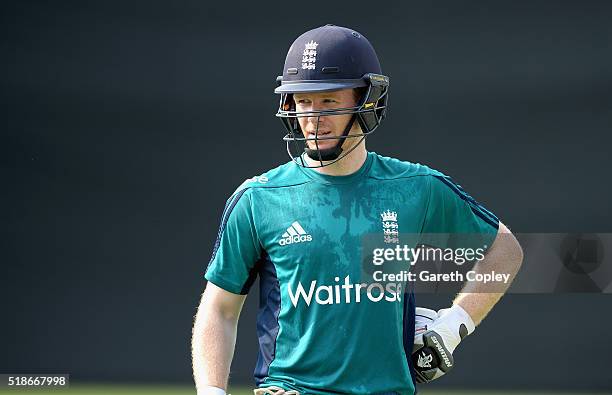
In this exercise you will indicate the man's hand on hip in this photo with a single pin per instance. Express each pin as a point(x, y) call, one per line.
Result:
point(437, 335)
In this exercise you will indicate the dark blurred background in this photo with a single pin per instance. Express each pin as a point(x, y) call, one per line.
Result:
point(126, 125)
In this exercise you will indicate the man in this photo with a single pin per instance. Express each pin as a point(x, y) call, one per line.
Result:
point(305, 228)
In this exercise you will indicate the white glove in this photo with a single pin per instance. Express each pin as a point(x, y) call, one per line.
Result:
point(422, 319)
point(435, 338)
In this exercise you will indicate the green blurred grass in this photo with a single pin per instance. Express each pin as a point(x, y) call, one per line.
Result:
point(185, 390)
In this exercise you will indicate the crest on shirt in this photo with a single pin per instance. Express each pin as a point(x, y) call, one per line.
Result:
point(390, 227)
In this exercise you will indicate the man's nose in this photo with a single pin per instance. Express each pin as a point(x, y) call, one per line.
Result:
point(314, 118)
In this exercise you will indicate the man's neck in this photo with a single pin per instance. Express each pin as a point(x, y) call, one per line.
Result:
point(345, 166)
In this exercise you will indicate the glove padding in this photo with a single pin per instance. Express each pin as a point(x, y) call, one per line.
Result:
point(435, 338)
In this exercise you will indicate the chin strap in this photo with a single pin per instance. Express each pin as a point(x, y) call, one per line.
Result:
point(324, 155)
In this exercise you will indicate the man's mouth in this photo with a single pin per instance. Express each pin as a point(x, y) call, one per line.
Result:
point(324, 140)
point(321, 133)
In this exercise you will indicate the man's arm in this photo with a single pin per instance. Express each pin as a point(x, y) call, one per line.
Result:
point(214, 337)
point(504, 256)
point(438, 334)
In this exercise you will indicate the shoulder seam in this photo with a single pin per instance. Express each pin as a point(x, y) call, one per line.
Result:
point(227, 211)
point(474, 205)
point(427, 206)
point(254, 224)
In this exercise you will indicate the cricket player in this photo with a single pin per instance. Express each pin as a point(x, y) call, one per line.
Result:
point(324, 325)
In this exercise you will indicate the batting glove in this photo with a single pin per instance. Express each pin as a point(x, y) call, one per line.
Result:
point(436, 337)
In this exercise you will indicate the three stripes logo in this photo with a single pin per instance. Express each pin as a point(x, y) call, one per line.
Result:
point(294, 234)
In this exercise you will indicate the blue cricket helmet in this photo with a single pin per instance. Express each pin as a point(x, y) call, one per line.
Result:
point(325, 59)
point(328, 58)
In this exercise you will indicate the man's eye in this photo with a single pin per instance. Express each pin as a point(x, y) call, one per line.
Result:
point(331, 101)
point(302, 101)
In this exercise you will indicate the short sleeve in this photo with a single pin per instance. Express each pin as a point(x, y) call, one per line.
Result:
point(452, 211)
point(237, 249)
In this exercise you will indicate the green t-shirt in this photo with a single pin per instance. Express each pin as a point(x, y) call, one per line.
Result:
point(302, 233)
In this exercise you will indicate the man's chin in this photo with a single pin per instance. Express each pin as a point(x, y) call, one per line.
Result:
point(322, 146)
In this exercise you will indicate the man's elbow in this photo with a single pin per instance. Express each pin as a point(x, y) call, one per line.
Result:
point(517, 254)
point(512, 249)
point(221, 304)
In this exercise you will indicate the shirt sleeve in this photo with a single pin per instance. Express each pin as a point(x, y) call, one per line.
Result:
point(237, 249)
point(458, 219)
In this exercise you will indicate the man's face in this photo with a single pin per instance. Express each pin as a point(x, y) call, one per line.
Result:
point(329, 126)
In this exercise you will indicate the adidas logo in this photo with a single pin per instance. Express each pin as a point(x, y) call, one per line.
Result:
point(294, 234)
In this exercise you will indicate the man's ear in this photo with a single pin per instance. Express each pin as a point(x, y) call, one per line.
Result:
point(289, 103)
